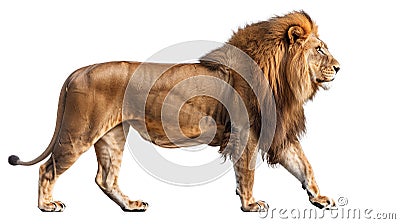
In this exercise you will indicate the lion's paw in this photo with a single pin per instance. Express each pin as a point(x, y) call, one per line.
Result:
point(136, 206)
point(53, 206)
point(322, 202)
point(259, 206)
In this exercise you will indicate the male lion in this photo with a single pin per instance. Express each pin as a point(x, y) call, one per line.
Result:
point(293, 62)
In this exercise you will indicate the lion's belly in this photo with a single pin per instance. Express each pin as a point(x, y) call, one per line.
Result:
point(188, 137)
point(189, 126)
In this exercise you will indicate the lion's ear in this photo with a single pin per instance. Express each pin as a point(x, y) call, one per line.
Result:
point(295, 33)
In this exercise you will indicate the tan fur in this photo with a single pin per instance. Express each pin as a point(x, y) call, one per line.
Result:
point(293, 60)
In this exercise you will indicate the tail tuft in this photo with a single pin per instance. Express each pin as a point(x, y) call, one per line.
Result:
point(13, 160)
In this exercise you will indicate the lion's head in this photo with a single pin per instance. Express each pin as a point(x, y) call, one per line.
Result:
point(289, 51)
point(295, 63)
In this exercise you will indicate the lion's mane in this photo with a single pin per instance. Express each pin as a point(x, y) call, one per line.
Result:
point(283, 64)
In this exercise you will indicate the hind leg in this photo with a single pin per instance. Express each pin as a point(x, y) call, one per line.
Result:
point(84, 116)
point(82, 125)
point(47, 179)
point(109, 150)
point(64, 155)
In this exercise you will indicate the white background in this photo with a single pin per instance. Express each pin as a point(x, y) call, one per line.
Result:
point(352, 139)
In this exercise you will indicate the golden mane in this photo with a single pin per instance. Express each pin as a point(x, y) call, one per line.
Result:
point(272, 45)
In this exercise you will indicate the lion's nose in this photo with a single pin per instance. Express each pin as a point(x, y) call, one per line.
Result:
point(336, 68)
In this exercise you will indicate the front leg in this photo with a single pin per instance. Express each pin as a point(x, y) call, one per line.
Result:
point(244, 167)
point(294, 160)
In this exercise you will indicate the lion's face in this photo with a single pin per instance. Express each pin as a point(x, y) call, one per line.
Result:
point(322, 65)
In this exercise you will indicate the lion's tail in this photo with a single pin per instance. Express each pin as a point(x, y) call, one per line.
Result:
point(14, 160)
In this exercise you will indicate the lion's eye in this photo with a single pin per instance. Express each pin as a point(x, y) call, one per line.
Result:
point(319, 50)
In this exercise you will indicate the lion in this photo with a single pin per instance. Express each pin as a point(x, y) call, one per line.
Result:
point(293, 62)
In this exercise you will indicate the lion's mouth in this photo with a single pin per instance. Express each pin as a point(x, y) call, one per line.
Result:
point(319, 80)
point(326, 78)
